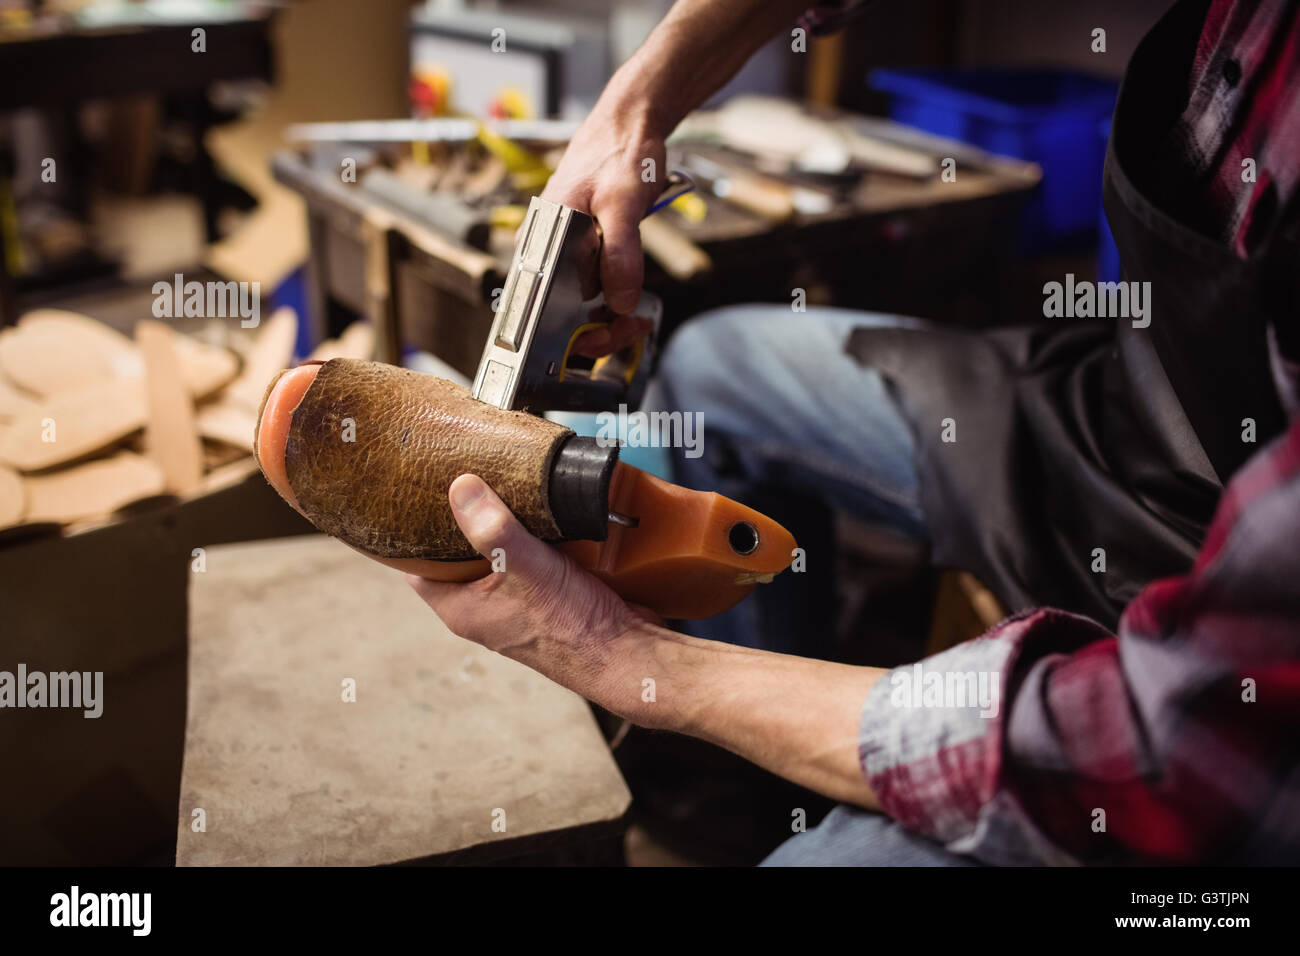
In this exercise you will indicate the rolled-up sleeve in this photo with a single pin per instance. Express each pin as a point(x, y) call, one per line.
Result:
point(932, 740)
point(1051, 740)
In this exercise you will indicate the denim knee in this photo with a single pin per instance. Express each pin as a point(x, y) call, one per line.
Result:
point(697, 352)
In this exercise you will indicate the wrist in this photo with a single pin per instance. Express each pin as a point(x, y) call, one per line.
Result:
point(633, 103)
point(642, 678)
point(604, 665)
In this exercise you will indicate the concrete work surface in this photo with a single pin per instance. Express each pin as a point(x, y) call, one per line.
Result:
point(445, 745)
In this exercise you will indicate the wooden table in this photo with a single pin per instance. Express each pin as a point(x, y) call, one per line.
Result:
point(444, 737)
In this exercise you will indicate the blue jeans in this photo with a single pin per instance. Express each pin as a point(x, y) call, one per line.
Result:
point(794, 428)
point(797, 428)
point(852, 837)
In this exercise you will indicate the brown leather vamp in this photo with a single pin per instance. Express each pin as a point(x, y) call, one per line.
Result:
point(385, 490)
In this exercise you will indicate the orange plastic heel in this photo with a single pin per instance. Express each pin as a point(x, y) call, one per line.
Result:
point(690, 554)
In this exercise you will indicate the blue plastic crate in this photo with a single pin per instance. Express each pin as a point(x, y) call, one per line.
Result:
point(292, 291)
point(1108, 269)
point(1049, 117)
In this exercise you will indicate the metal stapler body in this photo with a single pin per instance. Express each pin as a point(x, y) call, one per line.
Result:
point(551, 297)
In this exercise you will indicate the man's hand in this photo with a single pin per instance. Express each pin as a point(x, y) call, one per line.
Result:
point(796, 717)
point(614, 170)
point(621, 331)
point(543, 609)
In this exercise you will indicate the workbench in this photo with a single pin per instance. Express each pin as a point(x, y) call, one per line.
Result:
point(55, 65)
point(926, 247)
point(448, 754)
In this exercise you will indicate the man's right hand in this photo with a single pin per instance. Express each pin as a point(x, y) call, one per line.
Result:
point(613, 170)
point(614, 166)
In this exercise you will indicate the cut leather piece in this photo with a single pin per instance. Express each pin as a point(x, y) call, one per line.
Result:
point(385, 491)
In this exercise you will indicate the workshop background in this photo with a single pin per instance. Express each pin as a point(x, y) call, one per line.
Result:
point(170, 142)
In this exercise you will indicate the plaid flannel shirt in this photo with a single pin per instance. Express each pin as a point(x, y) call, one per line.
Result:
point(1239, 137)
point(1177, 740)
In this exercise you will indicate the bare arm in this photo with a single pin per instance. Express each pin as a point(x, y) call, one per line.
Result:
point(796, 717)
point(696, 49)
point(689, 56)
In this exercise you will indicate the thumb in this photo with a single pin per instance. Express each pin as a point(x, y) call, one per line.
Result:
point(489, 525)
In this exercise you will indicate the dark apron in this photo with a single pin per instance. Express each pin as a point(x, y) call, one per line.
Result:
point(1080, 434)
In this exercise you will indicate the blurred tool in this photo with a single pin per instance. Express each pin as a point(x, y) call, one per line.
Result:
point(762, 195)
point(442, 129)
point(679, 185)
point(665, 243)
point(444, 211)
point(784, 133)
point(775, 199)
point(676, 254)
point(527, 171)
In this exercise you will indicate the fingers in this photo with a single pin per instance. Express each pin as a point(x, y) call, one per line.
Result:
point(496, 534)
point(494, 531)
point(621, 265)
point(542, 609)
point(622, 331)
point(626, 329)
point(594, 344)
point(618, 209)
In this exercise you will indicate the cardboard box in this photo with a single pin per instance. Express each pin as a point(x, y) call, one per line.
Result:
point(104, 790)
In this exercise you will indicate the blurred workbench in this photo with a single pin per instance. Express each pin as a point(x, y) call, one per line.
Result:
point(121, 52)
point(931, 245)
point(444, 738)
point(131, 49)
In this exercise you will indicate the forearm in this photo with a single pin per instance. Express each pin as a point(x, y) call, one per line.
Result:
point(691, 54)
point(793, 716)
